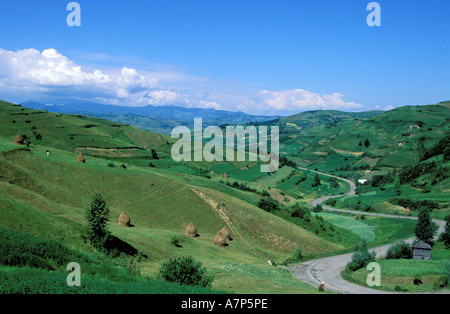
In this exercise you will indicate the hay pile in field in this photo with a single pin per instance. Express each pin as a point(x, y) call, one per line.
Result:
point(191, 231)
point(226, 233)
point(19, 140)
point(81, 158)
point(220, 240)
point(124, 220)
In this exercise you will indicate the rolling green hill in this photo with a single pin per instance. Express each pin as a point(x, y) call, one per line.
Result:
point(46, 197)
point(393, 139)
point(403, 152)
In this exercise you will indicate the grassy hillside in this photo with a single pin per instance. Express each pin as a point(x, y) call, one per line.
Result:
point(403, 153)
point(393, 139)
point(46, 197)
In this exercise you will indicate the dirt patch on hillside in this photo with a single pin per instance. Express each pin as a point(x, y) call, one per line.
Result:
point(110, 152)
point(225, 217)
point(340, 151)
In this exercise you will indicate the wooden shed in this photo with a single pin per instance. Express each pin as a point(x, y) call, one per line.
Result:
point(421, 251)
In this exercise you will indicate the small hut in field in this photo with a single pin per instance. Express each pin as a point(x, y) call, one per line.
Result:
point(421, 251)
point(81, 158)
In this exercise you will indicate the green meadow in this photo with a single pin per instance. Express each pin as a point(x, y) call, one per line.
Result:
point(43, 200)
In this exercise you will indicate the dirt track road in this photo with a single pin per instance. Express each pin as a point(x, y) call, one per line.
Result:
point(328, 269)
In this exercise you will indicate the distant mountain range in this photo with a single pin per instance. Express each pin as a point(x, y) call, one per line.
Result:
point(160, 119)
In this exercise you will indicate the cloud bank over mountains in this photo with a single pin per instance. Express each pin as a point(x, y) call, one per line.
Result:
point(49, 75)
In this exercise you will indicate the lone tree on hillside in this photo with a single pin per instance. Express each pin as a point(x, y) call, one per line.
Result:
point(98, 216)
point(445, 236)
point(316, 181)
point(425, 228)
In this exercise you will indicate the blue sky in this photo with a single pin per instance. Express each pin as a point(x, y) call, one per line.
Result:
point(265, 57)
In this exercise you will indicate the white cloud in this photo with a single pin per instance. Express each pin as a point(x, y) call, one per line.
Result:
point(49, 75)
point(30, 69)
point(299, 99)
point(209, 105)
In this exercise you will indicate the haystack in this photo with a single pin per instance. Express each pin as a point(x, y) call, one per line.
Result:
point(81, 158)
point(226, 233)
point(220, 240)
point(19, 140)
point(191, 231)
point(124, 220)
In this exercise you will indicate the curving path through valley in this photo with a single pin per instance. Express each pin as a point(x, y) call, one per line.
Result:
point(328, 269)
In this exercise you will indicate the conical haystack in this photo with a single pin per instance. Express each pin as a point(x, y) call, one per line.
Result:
point(19, 140)
point(191, 231)
point(220, 240)
point(226, 233)
point(81, 158)
point(124, 220)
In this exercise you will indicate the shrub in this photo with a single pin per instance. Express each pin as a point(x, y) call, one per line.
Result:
point(400, 250)
point(298, 211)
point(185, 271)
point(175, 241)
point(20, 249)
point(318, 208)
point(111, 164)
point(307, 218)
point(441, 282)
point(361, 258)
point(417, 279)
point(400, 289)
point(269, 205)
point(298, 254)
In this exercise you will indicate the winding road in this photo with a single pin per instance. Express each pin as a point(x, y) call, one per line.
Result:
point(328, 269)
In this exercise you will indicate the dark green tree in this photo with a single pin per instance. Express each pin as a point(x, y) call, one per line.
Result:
point(316, 181)
point(445, 236)
point(154, 154)
point(97, 217)
point(425, 228)
point(318, 208)
point(268, 204)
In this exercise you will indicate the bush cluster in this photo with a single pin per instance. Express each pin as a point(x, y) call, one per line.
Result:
point(20, 249)
point(185, 271)
point(361, 258)
point(400, 250)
